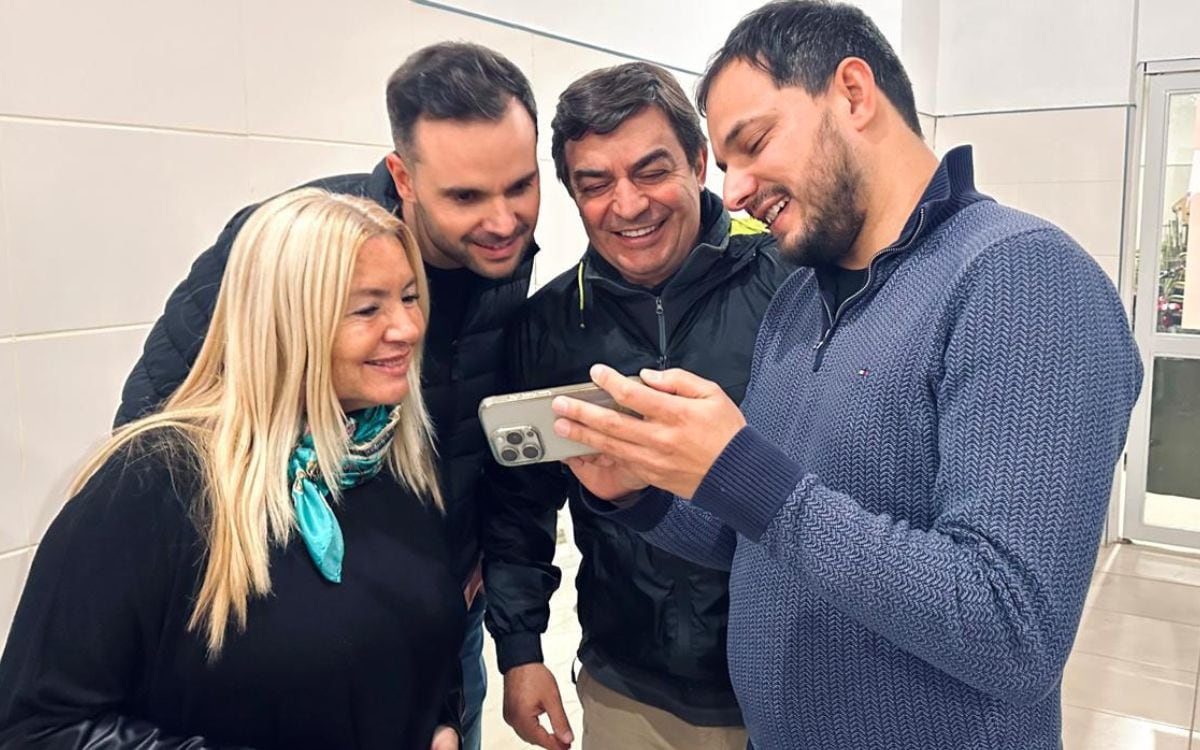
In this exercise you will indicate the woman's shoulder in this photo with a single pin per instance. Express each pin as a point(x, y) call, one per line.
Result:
point(155, 475)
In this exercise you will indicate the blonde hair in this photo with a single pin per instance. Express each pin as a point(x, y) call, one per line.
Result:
point(262, 375)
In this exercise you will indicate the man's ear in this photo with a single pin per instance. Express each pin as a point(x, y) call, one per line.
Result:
point(853, 85)
point(702, 164)
point(401, 176)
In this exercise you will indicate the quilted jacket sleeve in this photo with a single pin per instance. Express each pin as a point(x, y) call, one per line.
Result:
point(175, 339)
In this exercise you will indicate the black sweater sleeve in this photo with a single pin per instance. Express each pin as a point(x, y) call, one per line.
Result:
point(91, 609)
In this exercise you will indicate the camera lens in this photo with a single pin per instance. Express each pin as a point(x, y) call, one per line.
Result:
point(531, 451)
point(509, 454)
point(513, 437)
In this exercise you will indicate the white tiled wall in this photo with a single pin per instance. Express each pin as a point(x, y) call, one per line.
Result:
point(14, 523)
point(69, 388)
point(137, 61)
point(130, 132)
point(1066, 166)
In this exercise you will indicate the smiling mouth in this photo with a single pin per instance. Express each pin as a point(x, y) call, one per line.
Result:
point(773, 212)
point(390, 363)
point(633, 234)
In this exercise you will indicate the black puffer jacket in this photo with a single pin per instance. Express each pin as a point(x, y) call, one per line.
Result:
point(456, 375)
point(653, 624)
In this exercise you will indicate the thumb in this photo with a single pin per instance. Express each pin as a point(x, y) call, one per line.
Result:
point(558, 718)
point(679, 382)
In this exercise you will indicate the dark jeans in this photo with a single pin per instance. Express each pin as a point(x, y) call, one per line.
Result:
point(474, 674)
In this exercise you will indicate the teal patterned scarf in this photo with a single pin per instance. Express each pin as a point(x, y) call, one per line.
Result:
point(370, 432)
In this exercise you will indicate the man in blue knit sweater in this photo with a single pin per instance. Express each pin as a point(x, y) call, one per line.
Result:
point(911, 497)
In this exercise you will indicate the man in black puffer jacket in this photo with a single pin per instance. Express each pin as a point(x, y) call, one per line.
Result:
point(464, 178)
point(668, 280)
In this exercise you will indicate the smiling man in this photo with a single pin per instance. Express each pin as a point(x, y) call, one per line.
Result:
point(664, 282)
point(911, 495)
point(464, 178)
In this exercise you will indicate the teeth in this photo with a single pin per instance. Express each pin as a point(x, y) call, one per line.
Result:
point(773, 214)
point(634, 233)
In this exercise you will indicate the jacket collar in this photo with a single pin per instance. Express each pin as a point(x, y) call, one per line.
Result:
point(381, 188)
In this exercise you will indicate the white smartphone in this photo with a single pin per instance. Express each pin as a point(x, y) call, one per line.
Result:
point(520, 426)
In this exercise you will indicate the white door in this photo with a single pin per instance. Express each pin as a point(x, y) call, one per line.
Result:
point(1163, 479)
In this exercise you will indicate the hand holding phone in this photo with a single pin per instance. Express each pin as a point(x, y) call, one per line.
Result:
point(520, 426)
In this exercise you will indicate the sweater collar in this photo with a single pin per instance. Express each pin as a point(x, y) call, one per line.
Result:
point(951, 189)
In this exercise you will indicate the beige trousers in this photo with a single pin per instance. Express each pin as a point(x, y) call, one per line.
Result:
point(612, 721)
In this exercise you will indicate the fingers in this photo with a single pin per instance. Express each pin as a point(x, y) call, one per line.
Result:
point(633, 395)
point(558, 719)
point(573, 427)
point(444, 738)
point(528, 729)
point(597, 427)
point(679, 382)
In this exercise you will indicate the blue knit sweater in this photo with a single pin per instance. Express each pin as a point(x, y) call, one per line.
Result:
point(912, 514)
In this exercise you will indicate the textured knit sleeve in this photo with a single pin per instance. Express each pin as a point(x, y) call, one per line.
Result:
point(1040, 375)
point(95, 596)
point(668, 523)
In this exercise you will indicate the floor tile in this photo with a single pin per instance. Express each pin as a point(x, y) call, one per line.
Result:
point(1175, 602)
point(1140, 639)
point(1084, 729)
point(1138, 691)
point(1148, 562)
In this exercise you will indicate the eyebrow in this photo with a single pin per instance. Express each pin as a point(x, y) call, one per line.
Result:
point(522, 180)
point(734, 132)
point(377, 293)
point(640, 164)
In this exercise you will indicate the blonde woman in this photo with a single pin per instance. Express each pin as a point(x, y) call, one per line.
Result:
point(260, 564)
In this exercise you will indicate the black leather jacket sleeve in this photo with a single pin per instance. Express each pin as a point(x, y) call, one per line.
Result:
point(105, 732)
point(89, 615)
point(520, 531)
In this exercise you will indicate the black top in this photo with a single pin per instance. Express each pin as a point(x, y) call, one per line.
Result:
point(99, 651)
point(839, 284)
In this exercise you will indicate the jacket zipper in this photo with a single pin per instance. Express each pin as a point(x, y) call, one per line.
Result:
point(662, 333)
point(834, 317)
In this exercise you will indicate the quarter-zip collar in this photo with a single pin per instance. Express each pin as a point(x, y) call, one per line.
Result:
point(951, 189)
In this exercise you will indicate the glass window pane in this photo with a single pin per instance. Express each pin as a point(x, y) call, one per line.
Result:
point(1178, 307)
point(1173, 472)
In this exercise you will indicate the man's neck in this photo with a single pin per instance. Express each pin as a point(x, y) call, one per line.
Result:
point(892, 189)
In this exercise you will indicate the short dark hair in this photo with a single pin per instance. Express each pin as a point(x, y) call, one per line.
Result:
point(453, 81)
point(603, 99)
point(802, 42)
